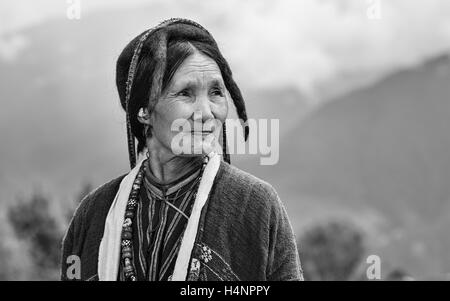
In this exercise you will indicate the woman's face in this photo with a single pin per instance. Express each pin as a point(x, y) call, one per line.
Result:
point(188, 118)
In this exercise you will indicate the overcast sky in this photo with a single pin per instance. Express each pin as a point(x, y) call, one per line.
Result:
point(303, 43)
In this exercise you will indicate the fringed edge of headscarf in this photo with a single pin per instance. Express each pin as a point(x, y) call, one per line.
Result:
point(131, 72)
point(226, 155)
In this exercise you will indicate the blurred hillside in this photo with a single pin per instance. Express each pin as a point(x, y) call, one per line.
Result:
point(378, 156)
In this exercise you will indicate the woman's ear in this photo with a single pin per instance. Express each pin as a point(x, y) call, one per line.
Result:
point(143, 116)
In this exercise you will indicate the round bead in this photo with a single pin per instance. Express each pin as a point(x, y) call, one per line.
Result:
point(133, 278)
point(126, 235)
point(127, 222)
point(129, 214)
point(128, 269)
point(126, 255)
point(126, 249)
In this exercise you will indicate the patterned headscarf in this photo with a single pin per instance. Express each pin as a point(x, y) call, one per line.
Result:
point(156, 40)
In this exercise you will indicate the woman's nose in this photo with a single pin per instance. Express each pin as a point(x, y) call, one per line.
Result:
point(204, 108)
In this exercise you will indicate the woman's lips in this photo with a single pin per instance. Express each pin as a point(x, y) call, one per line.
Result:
point(201, 132)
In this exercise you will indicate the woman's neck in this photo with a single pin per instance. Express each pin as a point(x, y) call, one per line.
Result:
point(167, 167)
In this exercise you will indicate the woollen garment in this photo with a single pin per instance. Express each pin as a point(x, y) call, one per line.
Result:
point(244, 232)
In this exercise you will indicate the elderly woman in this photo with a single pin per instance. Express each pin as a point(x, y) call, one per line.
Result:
point(181, 213)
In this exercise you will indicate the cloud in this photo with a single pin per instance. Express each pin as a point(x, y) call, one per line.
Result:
point(11, 46)
point(305, 43)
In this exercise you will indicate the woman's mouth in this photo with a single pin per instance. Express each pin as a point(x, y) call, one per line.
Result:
point(204, 133)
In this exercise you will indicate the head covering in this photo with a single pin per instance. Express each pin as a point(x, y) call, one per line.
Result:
point(155, 41)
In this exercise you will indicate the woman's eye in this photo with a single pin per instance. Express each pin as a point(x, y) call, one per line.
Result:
point(217, 92)
point(183, 93)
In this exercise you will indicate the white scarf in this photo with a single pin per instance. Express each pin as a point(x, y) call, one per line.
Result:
point(109, 252)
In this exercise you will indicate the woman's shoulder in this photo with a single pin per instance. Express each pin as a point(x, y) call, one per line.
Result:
point(244, 178)
point(237, 182)
point(99, 199)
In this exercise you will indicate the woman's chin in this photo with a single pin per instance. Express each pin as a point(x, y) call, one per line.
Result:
point(197, 149)
point(195, 145)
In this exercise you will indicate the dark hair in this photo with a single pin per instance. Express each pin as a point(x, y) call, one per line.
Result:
point(182, 41)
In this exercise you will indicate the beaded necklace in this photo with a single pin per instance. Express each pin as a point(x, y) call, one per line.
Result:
point(127, 230)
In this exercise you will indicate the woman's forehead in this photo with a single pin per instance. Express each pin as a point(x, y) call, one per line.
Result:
point(197, 68)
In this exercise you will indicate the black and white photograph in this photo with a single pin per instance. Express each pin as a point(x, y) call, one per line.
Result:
point(246, 141)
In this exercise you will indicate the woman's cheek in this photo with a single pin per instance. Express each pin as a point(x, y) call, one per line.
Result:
point(221, 110)
point(175, 113)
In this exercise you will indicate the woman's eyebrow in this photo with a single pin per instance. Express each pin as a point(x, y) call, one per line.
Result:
point(216, 83)
point(188, 84)
point(192, 83)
